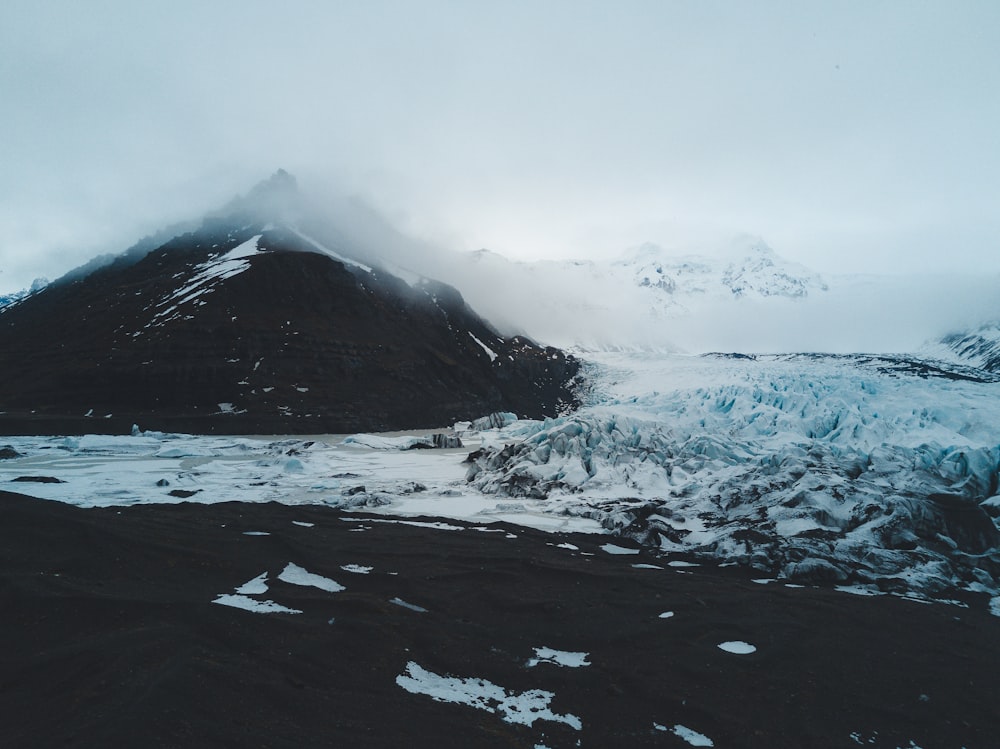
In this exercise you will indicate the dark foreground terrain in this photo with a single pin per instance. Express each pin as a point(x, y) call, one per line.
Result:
point(110, 638)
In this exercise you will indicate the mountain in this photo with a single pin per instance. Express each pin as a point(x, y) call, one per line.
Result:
point(248, 325)
point(743, 297)
point(978, 346)
point(37, 285)
point(753, 269)
point(647, 299)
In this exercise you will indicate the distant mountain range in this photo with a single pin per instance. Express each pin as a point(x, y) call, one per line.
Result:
point(17, 296)
point(247, 324)
point(741, 297)
point(270, 315)
point(978, 347)
point(755, 271)
point(638, 301)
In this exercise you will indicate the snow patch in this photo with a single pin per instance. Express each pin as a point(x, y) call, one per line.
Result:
point(614, 549)
point(737, 647)
point(559, 658)
point(298, 576)
point(206, 276)
point(523, 709)
point(356, 569)
point(323, 249)
point(489, 352)
point(410, 606)
point(691, 736)
point(249, 604)
point(254, 587)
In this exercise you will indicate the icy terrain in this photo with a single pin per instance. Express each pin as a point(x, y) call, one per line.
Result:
point(874, 470)
point(879, 474)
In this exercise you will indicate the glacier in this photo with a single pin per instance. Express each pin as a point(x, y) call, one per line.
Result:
point(877, 474)
point(811, 468)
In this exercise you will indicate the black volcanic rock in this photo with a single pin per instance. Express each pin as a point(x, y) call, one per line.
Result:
point(244, 327)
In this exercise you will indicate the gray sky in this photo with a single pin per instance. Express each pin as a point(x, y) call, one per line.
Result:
point(849, 135)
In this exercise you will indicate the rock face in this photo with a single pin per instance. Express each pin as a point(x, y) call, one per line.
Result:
point(246, 327)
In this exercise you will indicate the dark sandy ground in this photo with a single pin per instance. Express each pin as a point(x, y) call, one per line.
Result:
point(110, 639)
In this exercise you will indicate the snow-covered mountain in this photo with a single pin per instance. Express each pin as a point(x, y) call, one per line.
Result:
point(37, 285)
point(249, 324)
point(647, 299)
point(978, 347)
point(753, 269)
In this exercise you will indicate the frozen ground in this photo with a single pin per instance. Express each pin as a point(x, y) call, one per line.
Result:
point(876, 473)
point(370, 472)
point(878, 470)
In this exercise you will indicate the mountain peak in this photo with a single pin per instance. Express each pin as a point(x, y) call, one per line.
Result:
point(276, 198)
point(281, 183)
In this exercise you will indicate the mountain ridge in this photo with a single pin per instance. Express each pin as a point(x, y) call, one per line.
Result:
point(246, 325)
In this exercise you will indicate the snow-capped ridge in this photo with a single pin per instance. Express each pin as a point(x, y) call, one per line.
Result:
point(744, 271)
point(647, 299)
point(978, 347)
point(324, 249)
point(37, 285)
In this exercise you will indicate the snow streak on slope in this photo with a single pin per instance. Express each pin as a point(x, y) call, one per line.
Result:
point(812, 468)
point(324, 250)
point(12, 298)
point(206, 276)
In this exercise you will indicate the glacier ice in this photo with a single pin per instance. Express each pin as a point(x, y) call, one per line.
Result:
point(868, 473)
point(810, 468)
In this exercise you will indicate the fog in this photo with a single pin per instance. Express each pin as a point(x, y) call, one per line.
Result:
point(853, 137)
point(856, 314)
point(595, 303)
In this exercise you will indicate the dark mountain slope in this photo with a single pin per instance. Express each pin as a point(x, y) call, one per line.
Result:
point(243, 328)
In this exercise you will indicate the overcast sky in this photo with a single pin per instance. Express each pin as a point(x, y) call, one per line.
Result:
point(848, 135)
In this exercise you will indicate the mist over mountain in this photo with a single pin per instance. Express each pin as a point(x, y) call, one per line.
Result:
point(249, 324)
point(739, 295)
point(624, 375)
